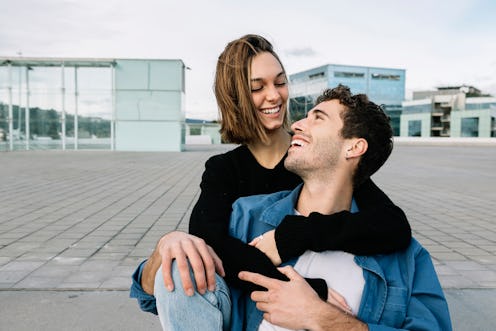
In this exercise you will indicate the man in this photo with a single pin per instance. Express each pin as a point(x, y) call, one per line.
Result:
point(342, 142)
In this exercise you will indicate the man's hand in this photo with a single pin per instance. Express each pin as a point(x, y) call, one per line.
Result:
point(183, 248)
point(295, 305)
point(267, 244)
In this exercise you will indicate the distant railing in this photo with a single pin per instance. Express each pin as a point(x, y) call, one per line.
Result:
point(52, 144)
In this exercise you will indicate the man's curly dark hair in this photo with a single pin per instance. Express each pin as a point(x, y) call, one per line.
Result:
point(363, 119)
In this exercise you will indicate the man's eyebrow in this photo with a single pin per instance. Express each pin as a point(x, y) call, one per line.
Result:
point(318, 111)
point(282, 73)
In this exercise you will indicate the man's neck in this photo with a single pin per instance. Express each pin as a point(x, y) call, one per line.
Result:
point(326, 196)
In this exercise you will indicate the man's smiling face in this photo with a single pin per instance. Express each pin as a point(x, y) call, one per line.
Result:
point(317, 141)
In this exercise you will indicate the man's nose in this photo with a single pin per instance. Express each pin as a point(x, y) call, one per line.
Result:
point(298, 125)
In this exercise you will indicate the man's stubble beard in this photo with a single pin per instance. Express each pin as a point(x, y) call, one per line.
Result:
point(324, 156)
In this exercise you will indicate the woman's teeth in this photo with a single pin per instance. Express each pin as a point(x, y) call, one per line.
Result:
point(271, 110)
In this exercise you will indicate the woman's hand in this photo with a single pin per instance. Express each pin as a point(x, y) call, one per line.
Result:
point(267, 244)
point(183, 248)
point(337, 300)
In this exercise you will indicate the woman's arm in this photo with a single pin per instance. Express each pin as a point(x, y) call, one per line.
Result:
point(379, 227)
point(210, 221)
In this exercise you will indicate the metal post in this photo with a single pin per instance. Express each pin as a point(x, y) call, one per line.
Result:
point(63, 106)
point(27, 128)
point(10, 120)
point(19, 104)
point(76, 124)
point(112, 121)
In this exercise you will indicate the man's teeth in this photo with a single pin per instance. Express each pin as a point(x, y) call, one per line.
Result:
point(271, 110)
point(297, 143)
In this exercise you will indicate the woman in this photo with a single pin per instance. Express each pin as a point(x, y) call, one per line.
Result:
point(252, 92)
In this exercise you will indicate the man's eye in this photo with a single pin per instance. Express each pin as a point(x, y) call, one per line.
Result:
point(318, 116)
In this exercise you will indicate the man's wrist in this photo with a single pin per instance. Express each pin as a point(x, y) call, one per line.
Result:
point(319, 316)
point(327, 317)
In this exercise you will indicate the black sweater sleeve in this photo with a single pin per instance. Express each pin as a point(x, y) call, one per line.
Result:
point(379, 227)
point(210, 221)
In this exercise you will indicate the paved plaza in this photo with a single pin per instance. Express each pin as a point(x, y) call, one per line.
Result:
point(74, 226)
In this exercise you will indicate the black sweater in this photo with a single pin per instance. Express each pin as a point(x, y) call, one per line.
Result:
point(379, 227)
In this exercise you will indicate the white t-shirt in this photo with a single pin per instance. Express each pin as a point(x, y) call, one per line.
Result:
point(340, 272)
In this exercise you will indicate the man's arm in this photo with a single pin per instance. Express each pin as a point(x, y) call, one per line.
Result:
point(295, 305)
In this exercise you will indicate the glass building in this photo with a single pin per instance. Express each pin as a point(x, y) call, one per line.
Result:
point(75, 103)
point(384, 86)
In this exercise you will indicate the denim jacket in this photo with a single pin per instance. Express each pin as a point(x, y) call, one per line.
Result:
point(401, 292)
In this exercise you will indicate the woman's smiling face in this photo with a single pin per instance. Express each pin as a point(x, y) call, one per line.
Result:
point(269, 90)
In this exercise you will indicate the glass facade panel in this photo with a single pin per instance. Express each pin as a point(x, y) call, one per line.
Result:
point(470, 127)
point(427, 108)
point(414, 128)
point(317, 75)
point(299, 107)
point(477, 106)
point(349, 74)
point(4, 108)
point(394, 113)
point(55, 95)
point(386, 77)
point(4, 127)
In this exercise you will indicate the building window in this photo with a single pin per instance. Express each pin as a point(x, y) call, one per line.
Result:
point(317, 75)
point(414, 128)
point(477, 106)
point(299, 107)
point(344, 74)
point(385, 77)
point(493, 127)
point(417, 109)
point(470, 127)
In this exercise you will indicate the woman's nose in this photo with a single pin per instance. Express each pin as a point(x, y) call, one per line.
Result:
point(272, 93)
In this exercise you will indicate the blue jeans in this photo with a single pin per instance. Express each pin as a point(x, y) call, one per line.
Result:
point(177, 311)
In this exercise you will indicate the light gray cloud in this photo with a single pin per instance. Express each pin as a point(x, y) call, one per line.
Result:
point(452, 42)
point(300, 52)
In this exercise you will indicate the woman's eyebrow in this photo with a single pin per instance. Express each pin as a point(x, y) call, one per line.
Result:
point(282, 73)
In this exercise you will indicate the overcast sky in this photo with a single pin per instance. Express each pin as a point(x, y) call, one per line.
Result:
point(442, 42)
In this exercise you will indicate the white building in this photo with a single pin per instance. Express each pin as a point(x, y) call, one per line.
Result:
point(449, 112)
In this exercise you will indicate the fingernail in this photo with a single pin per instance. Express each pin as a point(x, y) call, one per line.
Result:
point(189, 292)
point(211, 288)
point(170, 288)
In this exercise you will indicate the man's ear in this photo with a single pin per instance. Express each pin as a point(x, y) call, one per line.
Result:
point(357, 148)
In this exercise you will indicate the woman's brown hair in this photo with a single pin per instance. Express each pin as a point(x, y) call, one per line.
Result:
point(240, 123)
